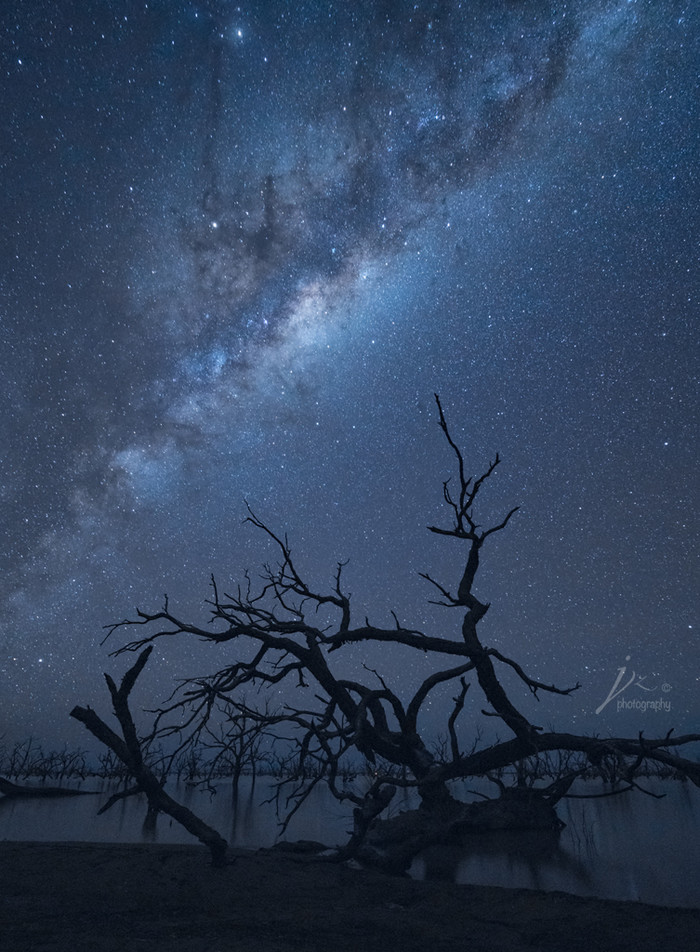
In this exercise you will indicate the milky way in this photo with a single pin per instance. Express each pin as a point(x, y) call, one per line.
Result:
point(242, 248)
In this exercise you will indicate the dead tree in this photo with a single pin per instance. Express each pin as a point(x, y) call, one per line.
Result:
point(129, 750)
point(286, 630)
point(236, 743)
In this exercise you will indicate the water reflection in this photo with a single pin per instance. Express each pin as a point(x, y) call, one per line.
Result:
point(630, 847)
point(528, 859)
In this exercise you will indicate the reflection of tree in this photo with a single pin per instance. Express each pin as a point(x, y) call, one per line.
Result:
point(287, 630)
point(538, 851)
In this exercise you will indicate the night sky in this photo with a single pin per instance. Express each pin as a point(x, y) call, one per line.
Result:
point(242, 246)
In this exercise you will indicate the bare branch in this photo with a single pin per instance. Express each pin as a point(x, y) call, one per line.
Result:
point(533, 685)
point(459, 704)
point(282, 632)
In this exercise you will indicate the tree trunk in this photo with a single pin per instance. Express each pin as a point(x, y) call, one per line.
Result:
point(128, 750)
point(158, 799)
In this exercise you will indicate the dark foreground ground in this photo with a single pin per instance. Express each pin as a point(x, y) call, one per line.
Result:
point(122, 898)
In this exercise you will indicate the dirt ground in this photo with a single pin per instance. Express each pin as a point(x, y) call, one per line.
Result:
point(58, 897)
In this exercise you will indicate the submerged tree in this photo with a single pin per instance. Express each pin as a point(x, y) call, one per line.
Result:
point(285, 629)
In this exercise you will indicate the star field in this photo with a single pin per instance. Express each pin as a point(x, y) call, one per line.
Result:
point(243, 245)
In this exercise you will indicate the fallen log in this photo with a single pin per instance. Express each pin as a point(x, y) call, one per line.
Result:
point(15, 790)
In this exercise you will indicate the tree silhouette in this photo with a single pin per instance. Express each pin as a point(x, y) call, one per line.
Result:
point(285, 629)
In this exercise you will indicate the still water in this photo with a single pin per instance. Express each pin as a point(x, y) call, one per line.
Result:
point(626, 847)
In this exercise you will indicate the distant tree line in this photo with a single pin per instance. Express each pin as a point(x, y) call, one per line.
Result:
point(202, 763)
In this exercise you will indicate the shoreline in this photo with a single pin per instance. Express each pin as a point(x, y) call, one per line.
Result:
point(113, 897)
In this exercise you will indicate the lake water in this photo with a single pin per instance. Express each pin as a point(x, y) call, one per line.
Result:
point(625, 847)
